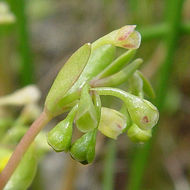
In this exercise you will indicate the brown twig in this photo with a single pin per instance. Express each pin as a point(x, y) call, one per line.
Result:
point(22, 147)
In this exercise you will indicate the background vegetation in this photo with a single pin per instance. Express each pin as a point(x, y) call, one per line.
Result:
point(46, 32)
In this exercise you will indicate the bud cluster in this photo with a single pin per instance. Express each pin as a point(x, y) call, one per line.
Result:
point(90, 72)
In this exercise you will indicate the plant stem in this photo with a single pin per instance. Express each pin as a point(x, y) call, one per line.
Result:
point(141, 156)
point(26, 65)
point(22, 147)
point(109, 169)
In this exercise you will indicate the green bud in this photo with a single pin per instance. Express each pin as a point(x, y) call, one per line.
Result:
point(112, 123)
point(142, 112)
point(125, 37)
point(86, 117)
point(25, 172)
point(138, 135)
point(83, 149)
point(59, 138)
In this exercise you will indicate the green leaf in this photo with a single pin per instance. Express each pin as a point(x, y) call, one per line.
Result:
point(99, 60)
point(117, 64)
point(121, 76)
point(147, 87)
point(66, 78)
point(86, 117)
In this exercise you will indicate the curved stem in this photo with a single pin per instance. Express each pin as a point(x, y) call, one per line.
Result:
point(22, 147)
point(121, 94)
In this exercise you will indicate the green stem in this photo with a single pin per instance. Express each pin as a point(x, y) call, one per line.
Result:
point(141, 155)
point(26, 67)
point(161, 30)
point(109, 169)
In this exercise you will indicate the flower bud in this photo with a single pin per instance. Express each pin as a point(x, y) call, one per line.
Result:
point(59, 138)
point(142, 112)
point(83, 149)
point(125, 37)
point(138, 135)
point(86, 117)
point(112, 123)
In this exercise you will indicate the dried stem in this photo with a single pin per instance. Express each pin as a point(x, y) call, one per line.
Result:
point(22, 147)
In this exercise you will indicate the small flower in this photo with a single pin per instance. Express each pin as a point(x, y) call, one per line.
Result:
point(112, 123)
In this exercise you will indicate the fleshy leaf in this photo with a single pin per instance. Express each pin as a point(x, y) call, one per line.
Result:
point(112, 123)
point(66, 78)
point(99, 60)
point(119, 77)
point(138, 135)
point(117, 64)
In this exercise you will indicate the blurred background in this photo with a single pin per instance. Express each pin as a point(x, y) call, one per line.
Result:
point(38, 37)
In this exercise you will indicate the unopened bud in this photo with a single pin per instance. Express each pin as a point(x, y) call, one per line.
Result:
point(83, 150)
point(142, 112)
point(59, 138)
